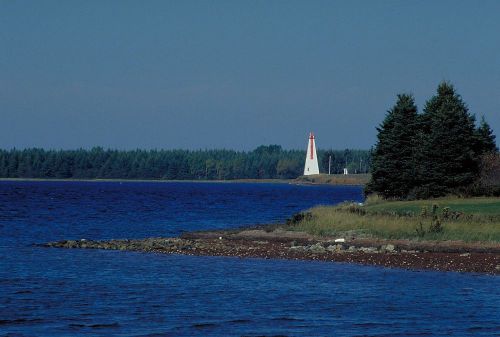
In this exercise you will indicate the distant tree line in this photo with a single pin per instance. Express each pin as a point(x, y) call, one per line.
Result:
point(438, 152)
point(265, 162)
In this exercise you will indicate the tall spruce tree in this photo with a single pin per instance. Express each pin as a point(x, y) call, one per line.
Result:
point(393, 165)
point(485, 138)
point(447, 160)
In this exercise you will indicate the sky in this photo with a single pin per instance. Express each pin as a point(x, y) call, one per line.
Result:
point(234, 74)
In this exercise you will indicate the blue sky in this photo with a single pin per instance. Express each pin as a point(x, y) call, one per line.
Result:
point(234, 74)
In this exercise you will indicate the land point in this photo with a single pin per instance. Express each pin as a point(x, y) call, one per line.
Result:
point(380, 233)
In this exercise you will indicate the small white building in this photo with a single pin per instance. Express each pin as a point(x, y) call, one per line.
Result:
point(311, 166)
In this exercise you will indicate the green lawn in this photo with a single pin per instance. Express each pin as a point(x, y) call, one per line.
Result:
point(478, 206)
point(475, 219)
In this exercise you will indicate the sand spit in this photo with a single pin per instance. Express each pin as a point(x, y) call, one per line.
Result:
point(442, 256)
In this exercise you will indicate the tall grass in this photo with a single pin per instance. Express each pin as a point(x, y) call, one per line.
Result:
point(464, 219)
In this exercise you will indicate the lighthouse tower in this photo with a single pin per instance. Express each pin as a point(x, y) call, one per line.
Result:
point(311, 166)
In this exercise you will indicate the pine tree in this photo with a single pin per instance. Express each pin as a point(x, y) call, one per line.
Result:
point(447, 162)
point(327, 160)
point(485, 138)
point(393, 166)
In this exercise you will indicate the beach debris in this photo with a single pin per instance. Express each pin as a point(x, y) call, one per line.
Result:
point(340, 240)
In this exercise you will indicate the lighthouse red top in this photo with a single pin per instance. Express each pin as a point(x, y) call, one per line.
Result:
point(311, 138)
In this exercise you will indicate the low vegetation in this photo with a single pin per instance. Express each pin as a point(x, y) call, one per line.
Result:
point(336, 179)
point(472, 219)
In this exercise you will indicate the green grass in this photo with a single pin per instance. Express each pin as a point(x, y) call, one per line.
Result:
point(475, 219)
point(478, 206)
point(336, 179)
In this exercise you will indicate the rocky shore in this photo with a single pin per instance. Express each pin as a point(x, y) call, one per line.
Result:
point(443, 256)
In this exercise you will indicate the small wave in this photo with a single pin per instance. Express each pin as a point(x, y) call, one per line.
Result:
point(204, 325)
point(483, 329)
point(264, 336)
point(94, 326)
point(20, 321)
point(240, 321)
point(104, 325)
point(287, 319)
point(371, 324)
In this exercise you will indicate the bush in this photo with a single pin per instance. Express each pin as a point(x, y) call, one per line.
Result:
point(299, 217)
point(489, 176)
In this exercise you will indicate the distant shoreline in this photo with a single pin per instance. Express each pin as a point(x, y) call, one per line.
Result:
point(297, 181)
point(154, 180)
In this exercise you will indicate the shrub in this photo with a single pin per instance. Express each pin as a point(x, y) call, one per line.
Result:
point(299, 217)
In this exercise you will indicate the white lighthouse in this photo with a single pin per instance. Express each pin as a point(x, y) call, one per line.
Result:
point(311, 166)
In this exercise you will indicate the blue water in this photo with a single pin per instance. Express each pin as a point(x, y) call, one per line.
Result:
point(57, 292)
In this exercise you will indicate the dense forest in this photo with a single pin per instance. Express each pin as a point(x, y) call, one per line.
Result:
point(265, 162)
point(441, 151)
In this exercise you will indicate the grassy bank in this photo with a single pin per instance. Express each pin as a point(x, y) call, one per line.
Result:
point(475, 219)
point(335, 179)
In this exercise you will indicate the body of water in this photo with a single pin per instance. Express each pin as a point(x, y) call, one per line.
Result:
point(57, 292)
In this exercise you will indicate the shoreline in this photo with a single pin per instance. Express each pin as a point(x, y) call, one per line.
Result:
point(277, 181)
point(259, 242)
point(201, 181)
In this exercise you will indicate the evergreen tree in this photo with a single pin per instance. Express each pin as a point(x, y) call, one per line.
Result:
point(485, 138)
point(264, 162)
point(447, 162)
point(328, 159)
point(393, 166)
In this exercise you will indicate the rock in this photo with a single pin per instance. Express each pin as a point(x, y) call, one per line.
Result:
point(297, 248)
point(335, 248)
point(388, 248)
point(317, 248)
point(497, 267)
point(352, 249)
point(368, 250)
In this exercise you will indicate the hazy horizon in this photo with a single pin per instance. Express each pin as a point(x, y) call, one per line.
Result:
point(235, 75)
